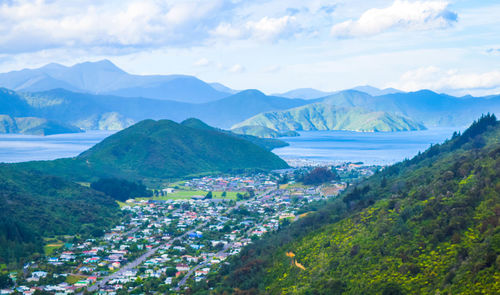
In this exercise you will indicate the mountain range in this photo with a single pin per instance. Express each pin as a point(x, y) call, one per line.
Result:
point(108, 112)
point(103, 77)
point(311, 93)
point(99, 95)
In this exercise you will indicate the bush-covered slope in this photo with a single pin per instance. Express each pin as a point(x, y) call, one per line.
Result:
point(263, 132)
point(33, 206)
point(162, 149)
point(34, 126)
point(267, 143)
point(322, 116)
point(424, 226)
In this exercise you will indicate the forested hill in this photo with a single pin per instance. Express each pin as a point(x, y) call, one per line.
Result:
point(159, 150)
point(429, 225)
point(35, 206)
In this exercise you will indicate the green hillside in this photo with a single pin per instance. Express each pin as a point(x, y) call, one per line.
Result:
point(323, 116)
point(267, 143)
point(34, 206)
point(262, 132)
point(429, 225)
point(161, 149)
point(34, 126)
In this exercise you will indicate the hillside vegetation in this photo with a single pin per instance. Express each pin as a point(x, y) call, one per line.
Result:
point(429, 225)
point(34, 206)
point(322, 116)
point(265, 142)
point(263, 132)
point(34, 126)
point(160, 150)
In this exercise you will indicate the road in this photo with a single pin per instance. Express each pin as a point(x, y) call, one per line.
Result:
point(227, 247)
point(152, 251)
point(182, 282)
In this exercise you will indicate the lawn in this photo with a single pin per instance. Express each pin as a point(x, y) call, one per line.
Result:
point(187, 194)
point(50, 248)
point(71, 279)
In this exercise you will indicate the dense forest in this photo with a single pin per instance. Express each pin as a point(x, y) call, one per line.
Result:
point(425, 225)
point(121, 189)
point(35, 206)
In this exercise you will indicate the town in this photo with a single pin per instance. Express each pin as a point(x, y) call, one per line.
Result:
point(181, 235)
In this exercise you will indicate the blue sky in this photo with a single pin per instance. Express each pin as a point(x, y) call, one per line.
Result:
point(274, 46)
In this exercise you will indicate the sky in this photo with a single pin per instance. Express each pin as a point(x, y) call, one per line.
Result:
point(273, 46)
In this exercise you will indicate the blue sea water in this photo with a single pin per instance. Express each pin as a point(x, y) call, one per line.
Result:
point(372, 148)
point(21, 148)
point(379, 148)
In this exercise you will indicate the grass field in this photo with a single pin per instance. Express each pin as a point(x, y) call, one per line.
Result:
point(71, 279)
point(50, 248)
point(187, 194)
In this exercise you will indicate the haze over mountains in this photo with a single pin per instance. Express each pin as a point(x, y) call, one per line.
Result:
point(99, 95)
point(310, 93)
point(103, 77)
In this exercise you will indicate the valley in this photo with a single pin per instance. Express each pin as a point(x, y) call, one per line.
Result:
point(263, 147)
point(170, 243)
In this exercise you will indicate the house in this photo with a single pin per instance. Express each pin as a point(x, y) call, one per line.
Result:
point(200, 273)
point(182, 267)
point(168, 190)
point(190, 258)
point(39, 274)
point(82, 283)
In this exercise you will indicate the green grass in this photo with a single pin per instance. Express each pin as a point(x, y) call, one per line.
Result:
point(187, 194)
point(74, 278)
point(50, 248)
point(123, 204)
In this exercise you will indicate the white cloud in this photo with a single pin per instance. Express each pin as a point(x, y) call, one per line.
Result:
point(237, 68)
point(437, 79)
point(226, 31)
point(202, 62)
point(36, 25)
point(271, 28)
point(264, 29)
point(272, 69)
point(418, 15)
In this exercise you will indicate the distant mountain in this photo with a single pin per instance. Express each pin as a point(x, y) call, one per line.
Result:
point(310, 93)
point(160, 150)
point(304, 93)
point(107, 112)
point(35, 206)
point(430, 108)
point(269, 143)
point(323, 116)
point(226, 112)
point(422, 226)
point(223, 88)
point(103, 77)
point(34, 126)
point(373, 91)
point(263, 132)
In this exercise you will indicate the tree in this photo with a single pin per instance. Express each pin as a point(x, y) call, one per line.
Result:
point(320, 175)
point(121, 189)
point(5, 281)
